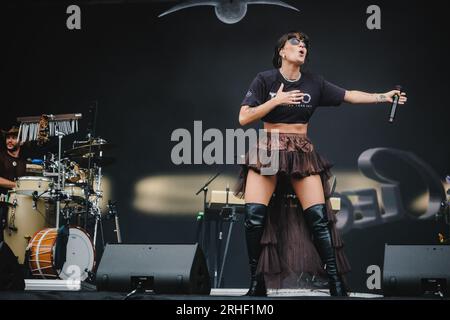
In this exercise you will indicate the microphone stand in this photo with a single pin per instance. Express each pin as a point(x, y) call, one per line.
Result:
point(228, 213)
point(200, 234)
point(201, 217)
point(204, 188)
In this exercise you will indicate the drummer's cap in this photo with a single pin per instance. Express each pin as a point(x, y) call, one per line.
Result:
point(14, 131)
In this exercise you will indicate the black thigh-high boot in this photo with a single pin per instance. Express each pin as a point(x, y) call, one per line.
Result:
point(317, 221)
point(255, 217)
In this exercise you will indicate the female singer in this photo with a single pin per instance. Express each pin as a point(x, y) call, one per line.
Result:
point(282, 242)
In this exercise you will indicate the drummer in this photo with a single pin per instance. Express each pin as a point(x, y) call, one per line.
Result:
point(12, 166)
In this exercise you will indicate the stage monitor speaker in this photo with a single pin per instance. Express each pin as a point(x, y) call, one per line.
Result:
point(11, 274)
point(162, 268)
point(416, 270)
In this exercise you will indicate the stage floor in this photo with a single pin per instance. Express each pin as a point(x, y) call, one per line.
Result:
point(216, 294)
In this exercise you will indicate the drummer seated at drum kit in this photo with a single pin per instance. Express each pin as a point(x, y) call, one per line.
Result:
point(12, 166)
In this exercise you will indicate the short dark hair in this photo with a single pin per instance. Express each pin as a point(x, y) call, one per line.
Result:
point(276, 60)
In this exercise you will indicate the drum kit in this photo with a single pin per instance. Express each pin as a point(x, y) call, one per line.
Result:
point(57, 209)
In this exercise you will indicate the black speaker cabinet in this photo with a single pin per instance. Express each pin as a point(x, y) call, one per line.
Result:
point(163, 268)
point(416, 270)
point(11, 274)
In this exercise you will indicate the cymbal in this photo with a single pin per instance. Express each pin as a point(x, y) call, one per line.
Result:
point(83, 161)
point(95, 147)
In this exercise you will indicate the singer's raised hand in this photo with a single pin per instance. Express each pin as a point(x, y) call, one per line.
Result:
point(389, 96)
point(288, 97)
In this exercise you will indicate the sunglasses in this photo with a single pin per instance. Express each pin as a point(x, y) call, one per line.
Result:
point(296, 41)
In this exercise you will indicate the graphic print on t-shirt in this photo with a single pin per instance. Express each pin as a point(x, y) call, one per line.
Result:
point(306, 100)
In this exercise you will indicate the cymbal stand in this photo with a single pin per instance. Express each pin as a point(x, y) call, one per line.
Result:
point(98, 222)
point(99, 178)
point(113, 213)
point(60, 180)
point(87, 190)
point(95, 206)
point(91, 128)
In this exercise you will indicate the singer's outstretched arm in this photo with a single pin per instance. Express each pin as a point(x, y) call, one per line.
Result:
point(354, 96)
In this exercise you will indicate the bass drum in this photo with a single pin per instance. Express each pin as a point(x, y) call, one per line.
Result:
point(24, 219)
point(80, 255)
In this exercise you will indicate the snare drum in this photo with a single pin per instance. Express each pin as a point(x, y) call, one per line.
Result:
point(74, 192)
point(80, 255)
point(24, 219)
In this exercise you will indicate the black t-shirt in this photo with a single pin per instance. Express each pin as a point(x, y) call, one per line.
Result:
point(11, 168)
point(318, 92)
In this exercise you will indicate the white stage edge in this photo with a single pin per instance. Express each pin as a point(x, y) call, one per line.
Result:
point(76, 285)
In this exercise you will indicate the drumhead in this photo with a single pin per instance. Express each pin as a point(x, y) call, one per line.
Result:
point(80, 256)
point(34, 178)
point(28, 185)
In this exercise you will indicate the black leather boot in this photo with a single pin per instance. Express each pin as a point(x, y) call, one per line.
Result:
point(317, 221)
point(255, 216)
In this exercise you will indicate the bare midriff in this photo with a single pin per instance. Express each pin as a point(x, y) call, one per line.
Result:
point(298, 128)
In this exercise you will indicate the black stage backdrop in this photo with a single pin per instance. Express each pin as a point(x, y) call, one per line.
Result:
point(152, 75)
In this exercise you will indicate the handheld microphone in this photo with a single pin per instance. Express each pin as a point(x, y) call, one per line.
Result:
point(394, 104)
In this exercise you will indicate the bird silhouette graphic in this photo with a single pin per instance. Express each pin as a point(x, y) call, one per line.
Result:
point(227, 11)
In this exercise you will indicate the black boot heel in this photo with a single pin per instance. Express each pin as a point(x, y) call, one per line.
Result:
point(317, 221)
point(257, 285)
point(255, 216)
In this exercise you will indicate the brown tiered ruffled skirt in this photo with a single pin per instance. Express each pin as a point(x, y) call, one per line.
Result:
point(289, 258)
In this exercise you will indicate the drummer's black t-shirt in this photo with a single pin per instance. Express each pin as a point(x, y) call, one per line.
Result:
point(11, 168)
